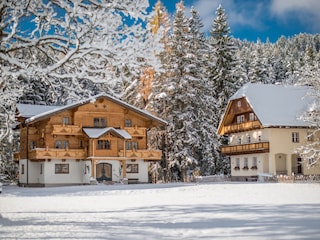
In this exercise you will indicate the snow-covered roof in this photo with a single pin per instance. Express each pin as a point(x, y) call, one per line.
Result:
point(30, 110)
point(98, 132)
point(277, 105)
point(54, 110)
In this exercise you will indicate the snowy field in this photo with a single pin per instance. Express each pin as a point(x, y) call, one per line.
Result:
point(162, 211)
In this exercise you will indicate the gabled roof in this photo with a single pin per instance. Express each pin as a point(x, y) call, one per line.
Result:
point(30, 110)
point(43, 112)
point(276, 105)
point(98, 132)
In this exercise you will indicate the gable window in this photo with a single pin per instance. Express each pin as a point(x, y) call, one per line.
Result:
point(252, 117)
point(103, 144)
point(128, 123)
point(99, 122)
point(132, 168)
point(239, 103)
point(240, 119)
point(61, 168)
point(295, 137)
point(61, 144)
point(65, 120)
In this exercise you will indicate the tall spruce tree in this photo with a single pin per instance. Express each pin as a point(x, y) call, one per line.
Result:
point(223, 77)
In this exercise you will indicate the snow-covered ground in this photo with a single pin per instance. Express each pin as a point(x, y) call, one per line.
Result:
point(162, 211)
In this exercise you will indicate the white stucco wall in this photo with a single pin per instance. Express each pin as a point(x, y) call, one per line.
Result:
point(44, 172)
point(142, 175)
point(77, 172)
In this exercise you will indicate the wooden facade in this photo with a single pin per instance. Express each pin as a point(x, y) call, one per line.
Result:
point(95, 130)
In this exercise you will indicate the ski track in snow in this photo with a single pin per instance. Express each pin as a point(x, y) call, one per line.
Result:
point(162, 211)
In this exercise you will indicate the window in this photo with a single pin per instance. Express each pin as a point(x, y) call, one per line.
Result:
point(128, 123)
point(132, 168)
point(99, 122)
point(240, 119)
point(237, 166)
point(239, 140)
point(62, 144)
point(311, 161)
point(22, 168)
point(239, 103)
point(295, 137)
point(65, 120)
point(61, 168)
point(32, 144)
point(41, 169)
point(309, 136)
point(135, 145)
point(131, 145)
point(259, 138)
point(254, 163)
point(245, 165)
point(249, 139)
point(103, 144)
point(252, 117)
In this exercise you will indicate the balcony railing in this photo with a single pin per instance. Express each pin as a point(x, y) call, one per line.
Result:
point(66, 130)
point(141, 154)
point(53, 153)
point(135, 131)
point(241, 127)
point(260, 147)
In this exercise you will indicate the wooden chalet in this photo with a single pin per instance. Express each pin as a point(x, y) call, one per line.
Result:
point(99, 138)
point(264, 131)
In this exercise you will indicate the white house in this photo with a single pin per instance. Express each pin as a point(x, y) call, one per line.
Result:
point(264, 129)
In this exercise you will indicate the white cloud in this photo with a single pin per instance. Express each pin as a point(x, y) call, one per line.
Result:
point(306, 11)
point(248, 14)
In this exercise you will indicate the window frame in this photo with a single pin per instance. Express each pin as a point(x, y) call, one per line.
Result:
point(295, 137)
point(62, 168)
point(99, 122)
point(103, 145)
point(128, 122)
point(132, 168)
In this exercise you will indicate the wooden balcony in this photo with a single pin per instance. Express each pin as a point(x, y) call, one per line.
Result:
point(141, 154)
point(66, 130)
point(241, 127)
point(136, 132)
point(260, 147)
point(53, 153)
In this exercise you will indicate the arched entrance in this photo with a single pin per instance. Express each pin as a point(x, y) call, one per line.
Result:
point(104, 172)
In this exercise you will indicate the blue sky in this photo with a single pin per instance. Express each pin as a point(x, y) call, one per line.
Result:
point(258, 19)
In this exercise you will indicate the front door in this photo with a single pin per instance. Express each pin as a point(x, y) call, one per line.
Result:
point(104, 172)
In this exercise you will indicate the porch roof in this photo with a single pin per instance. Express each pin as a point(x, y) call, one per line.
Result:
point(98, 132)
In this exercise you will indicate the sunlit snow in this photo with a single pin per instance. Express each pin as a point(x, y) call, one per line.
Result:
point(162, 211)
